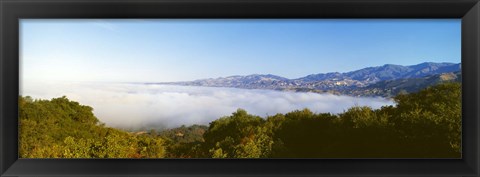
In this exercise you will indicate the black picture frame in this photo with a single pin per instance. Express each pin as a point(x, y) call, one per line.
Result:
point(13, 10)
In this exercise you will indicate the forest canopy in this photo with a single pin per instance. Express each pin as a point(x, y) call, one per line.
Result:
point(425, 124)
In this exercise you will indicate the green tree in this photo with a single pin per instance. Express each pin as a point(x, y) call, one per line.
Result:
point(60, 128)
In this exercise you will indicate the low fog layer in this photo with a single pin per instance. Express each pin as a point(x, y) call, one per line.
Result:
point(157, 106)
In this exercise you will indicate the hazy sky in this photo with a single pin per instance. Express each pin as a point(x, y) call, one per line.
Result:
point(175, 50)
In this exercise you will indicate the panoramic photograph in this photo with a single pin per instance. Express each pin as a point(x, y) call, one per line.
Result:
point(240, 88)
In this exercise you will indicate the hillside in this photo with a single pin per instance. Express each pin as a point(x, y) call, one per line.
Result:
point(254, 81)
point(389, 88)
point(424, 124)
point(185, 134)
point(351, 83)
point(60, 128)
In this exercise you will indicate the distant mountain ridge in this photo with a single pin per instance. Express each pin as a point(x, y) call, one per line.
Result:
point(333, 82)
point(389, 88)
point(387, 72)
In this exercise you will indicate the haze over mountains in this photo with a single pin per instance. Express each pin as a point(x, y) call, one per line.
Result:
point(386, 80)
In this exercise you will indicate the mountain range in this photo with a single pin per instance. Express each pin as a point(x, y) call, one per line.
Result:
point(370, 81)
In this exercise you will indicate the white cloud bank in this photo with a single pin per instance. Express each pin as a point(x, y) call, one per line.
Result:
point(138, 105)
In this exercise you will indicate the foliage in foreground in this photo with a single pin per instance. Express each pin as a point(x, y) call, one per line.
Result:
point(60, 128)
point(426, 124)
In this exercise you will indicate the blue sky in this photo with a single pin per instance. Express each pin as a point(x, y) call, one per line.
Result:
point(179, 50)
